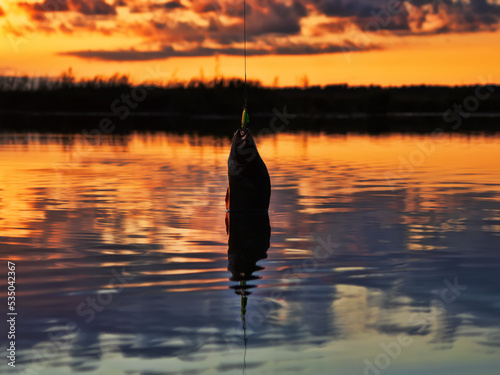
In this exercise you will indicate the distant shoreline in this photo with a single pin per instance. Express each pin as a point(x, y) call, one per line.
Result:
point(76, 107)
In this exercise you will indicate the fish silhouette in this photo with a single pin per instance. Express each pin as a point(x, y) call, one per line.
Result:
point(249, 183)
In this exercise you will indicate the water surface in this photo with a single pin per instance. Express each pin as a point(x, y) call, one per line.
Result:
point(383, 257)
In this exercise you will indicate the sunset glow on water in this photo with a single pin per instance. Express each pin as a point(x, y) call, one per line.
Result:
point(367, 235)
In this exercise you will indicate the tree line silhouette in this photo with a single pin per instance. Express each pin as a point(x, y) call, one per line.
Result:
point(188, 104)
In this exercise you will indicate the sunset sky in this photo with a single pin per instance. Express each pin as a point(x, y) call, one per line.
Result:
point(358, 42)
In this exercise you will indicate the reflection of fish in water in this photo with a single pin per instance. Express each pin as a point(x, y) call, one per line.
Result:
point(249, 183)
point(248, 242)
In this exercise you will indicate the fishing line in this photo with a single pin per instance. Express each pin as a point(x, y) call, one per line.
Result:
point(245, 46)
point(244, 117)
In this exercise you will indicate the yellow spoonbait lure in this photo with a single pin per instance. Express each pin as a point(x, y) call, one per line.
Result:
point(245, 119)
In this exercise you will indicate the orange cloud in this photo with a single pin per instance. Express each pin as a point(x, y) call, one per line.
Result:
point(274, 26)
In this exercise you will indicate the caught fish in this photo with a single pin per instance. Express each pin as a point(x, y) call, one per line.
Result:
point(249, 183)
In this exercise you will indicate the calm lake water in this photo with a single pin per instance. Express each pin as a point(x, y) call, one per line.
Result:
point(383, 259)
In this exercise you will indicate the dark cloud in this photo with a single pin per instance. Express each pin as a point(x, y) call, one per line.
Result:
point(483, 7)
point(263, 16)
point(276, 18)
point(424, 17)
point(229, 8)
point(145, 7)
point(165, 53)
point(425, 2)
point(348, 8)
point(87, 7)
point(168, 5)
point(172, 5)
point(90, 7)
point(449, 17)
point(169, 52)
point(383, 19)
point(415, 16)
point(306, 49)
point(50, 6)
